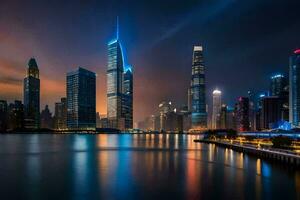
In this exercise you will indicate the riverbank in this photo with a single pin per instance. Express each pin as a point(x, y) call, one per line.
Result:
point(280, 156)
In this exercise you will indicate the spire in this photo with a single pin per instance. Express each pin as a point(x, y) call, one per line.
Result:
point(32, 63)
point(117, 31)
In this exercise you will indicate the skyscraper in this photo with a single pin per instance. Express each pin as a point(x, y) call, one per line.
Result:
point(46, 118)
point(81, 100)
point(60, 115)
point(217, 103)
point(243, 114)
point(119, 87)
point(294, 94)
point(32, 96)
point(271, 112)
point(197, 89)
point(3, 115)
point(16, 115)
point(223, 117)
point(277, 85)
point(127, 100)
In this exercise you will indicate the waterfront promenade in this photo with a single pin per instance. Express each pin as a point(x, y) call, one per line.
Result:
point(283, 156)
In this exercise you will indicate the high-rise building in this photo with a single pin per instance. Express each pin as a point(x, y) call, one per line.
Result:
point(3, 115)
point(252, 109)
point(16, 115)
point(294, 89)
point(271, 112)
point(243, 114)
point(81, 100)
point(277, 85)
point(217, 103)
point(46, 118)
point(223, 117)
point(127, 100)
point(119, 87)
point(231, 118)
point(60, 114)
point(197, 89)
point(164, 108)
point(32, 96)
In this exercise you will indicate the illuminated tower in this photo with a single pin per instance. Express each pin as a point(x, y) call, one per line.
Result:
point(197, 90)
point(216, 109)
point(32, 96)
point(119, 87)
point(278, 83)
point(127, 100)
point(294, 94)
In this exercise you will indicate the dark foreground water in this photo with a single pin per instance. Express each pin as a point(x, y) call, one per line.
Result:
point(135, 167)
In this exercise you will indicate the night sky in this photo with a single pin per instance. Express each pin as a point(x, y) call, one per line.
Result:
point(245, 42)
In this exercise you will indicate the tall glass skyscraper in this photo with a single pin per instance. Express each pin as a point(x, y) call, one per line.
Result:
point(294, 93)
point(81, 100)
point(197, 90)
point(127, 103)
point(119, 88)
point(32, 96)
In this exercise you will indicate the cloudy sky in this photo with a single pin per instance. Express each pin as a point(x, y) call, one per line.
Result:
point(245, 42)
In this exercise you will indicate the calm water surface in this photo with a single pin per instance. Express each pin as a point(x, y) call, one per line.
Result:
point(135, 167)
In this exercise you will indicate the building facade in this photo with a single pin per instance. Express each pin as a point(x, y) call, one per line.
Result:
point(294, 84)
point(16, 115)
point(46, 118)
point(198, 90)
point(81, 100)
point(216, 112)
point(119, 88)
point(3, 115)
point(32, 96)
point(271, 112)
point(60, 114)
point(243, 114)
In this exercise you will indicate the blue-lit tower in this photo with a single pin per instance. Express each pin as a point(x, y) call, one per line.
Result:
point(197, 90)
point(119, 87)
point(294, 90)
point(127, 103)
point(32, 96)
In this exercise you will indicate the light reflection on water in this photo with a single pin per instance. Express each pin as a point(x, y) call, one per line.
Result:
point(148, 166)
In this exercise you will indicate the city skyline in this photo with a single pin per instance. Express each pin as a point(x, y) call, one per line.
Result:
point(28, 39)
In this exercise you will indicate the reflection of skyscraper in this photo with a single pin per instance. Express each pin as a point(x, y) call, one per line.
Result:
point(197, 89)
point(216, 109)
point(81, 99)
point(119, 87)
point(294, 94)
point(32, 95)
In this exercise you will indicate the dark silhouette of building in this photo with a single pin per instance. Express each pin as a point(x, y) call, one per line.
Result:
point(81, 100)
point(60, 114)
point(46, 118)
point(243, 114)
point(271, 112)
point(223, 117)
point(32, 96)
point(16, 115)
point(3, 115)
